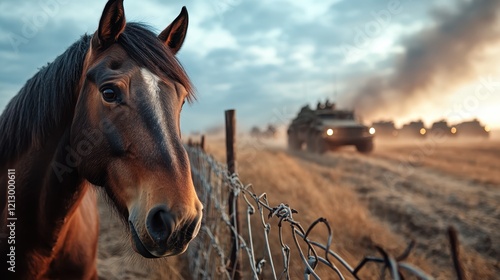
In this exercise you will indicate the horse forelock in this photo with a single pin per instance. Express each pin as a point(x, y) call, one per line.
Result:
point(143, 46)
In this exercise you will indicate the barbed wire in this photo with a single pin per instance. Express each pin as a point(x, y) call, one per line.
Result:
point(209, 253)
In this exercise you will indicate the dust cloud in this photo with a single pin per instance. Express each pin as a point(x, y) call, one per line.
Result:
point(435, 61)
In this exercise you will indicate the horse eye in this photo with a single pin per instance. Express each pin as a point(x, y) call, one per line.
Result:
point(109, 95)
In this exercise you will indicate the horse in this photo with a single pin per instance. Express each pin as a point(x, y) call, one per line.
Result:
point(104, 115)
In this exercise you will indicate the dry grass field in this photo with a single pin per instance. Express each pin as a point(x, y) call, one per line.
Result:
point(402, 191)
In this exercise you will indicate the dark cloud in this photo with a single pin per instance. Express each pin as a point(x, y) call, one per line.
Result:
point(435, 61)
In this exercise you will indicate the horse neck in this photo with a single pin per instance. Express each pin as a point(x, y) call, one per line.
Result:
point(44, 204)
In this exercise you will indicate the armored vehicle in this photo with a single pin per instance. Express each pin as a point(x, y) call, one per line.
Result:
point(414, 129)
point(385, 129)
point(473, 129)
point(270, 132)
point(441, 128)
point(328, 128)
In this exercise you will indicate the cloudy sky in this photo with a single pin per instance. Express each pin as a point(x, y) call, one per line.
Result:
point(388, 59)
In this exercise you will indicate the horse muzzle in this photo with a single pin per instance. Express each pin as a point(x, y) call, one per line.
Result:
point(162, 234)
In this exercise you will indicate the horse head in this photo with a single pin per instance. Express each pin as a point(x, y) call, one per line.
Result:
point(126, 129)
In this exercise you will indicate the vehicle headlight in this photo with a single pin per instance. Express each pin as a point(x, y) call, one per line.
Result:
point(423, 131)
point(371, 130)
point(487, 128)
point(329, 132)
point(453, 130)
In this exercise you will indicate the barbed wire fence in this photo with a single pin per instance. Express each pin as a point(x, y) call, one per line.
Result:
point(218, 251)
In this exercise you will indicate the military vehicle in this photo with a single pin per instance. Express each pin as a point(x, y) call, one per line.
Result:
point(473, 129)
point(415, 129)
point(328, 128)
point(270, 132)
point(442, 129)
point(385, 129)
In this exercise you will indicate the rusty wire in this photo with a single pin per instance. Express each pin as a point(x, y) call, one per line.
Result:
point(209, 253)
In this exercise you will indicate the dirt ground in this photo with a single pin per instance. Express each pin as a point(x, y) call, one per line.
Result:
point(402, 191)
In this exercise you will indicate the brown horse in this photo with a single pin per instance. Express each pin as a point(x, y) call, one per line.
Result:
point(105, 114)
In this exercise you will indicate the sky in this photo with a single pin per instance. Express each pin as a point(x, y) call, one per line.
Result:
point(398, 60)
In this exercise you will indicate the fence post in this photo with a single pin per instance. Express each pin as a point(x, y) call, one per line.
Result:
point(234, 262)
point(202, 142)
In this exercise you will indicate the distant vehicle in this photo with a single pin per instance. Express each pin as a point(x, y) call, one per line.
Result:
point(385, 129)
point(255, 131)
point(473, 129)
point(414, 129)
point(328, 128)
point(270, 132)
point(442, 129)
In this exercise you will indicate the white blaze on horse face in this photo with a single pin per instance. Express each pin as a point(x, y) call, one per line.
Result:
point(151, 81)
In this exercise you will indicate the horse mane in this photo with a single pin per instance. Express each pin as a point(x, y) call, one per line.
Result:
point(46, 102)
point(43, 103)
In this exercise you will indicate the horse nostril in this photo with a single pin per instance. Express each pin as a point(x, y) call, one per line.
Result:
point(159, 224)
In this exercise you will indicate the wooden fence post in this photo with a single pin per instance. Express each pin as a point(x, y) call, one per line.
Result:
point(202, 142)
point(234, 261)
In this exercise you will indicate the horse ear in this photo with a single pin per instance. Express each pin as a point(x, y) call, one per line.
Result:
point(111, 25)
point(173, 36)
